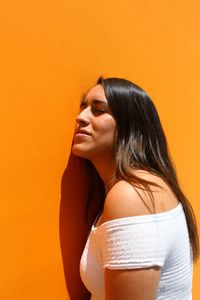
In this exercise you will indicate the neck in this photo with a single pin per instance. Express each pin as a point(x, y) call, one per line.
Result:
point(106, 169)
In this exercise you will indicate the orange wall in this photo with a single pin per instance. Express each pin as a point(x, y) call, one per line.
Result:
point(51, 51)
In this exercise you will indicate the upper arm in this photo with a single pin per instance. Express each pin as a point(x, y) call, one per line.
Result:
point(133, 284)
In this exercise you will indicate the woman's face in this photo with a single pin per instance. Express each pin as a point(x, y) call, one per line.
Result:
point(95, 127)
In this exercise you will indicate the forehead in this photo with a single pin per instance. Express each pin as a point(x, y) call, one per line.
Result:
point(97, 92)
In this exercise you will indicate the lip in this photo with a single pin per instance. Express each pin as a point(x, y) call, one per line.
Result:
point(82, 132)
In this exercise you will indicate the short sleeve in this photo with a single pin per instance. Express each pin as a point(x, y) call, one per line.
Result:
point(130, 245)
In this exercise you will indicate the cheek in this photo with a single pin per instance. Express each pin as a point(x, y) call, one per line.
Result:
point(106, 126)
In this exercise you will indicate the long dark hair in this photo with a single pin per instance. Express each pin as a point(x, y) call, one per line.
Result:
point(141, 144)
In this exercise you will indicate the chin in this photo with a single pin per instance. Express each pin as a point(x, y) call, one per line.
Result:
point(80, 152)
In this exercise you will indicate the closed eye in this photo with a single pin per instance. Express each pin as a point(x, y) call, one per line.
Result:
point(97, 110)
point(97, 106)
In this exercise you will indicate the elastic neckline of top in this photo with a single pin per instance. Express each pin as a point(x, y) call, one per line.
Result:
point(142, 218)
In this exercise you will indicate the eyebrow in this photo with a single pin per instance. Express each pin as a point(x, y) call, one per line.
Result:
point(99, 101)
point(96, 101)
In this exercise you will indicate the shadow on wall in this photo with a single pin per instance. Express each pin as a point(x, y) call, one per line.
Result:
point(73, 224)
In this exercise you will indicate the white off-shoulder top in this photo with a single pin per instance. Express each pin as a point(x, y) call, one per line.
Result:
point(140, 242)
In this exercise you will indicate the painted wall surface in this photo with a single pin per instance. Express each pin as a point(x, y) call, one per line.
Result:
point(51, 52)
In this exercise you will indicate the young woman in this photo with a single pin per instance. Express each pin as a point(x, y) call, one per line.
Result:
point(144, 241)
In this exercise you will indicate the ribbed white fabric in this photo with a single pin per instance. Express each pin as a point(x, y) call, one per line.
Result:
point(140, 242)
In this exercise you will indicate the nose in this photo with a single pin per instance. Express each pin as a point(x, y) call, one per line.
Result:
point(83, 117)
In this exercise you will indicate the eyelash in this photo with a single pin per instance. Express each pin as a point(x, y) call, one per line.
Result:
point(99, 110)
point(93, 109)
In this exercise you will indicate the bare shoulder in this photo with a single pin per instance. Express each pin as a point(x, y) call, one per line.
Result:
point(125, 200)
